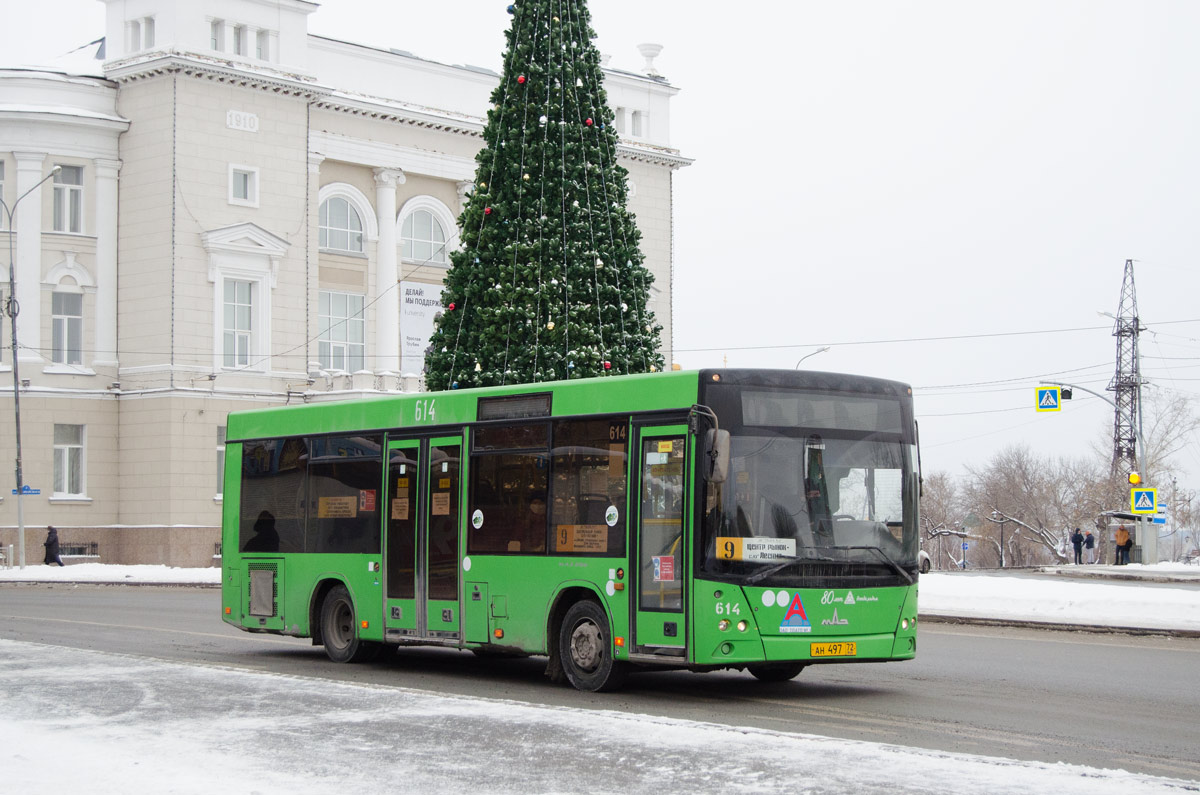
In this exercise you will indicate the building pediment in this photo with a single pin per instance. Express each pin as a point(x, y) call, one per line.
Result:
point(245, 249)
point(244, 238)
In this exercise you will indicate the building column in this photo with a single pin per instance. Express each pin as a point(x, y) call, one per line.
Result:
point(28, 226)
point(105, 355)
point(386, 297)
point(464, 191)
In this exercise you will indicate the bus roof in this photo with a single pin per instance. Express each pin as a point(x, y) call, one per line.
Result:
point(619, 394)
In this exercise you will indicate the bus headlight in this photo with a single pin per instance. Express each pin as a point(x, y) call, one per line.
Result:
point(904, 623)
point(723, 624)
point(742, 626)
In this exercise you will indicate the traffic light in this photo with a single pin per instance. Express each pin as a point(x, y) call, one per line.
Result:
point(1134, 478)
point(1065, 393)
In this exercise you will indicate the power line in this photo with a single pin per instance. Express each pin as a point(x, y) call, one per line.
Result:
point(947, 338)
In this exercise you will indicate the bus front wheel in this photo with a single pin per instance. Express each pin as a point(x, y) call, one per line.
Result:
point(339, 631)
point(585, 647)
point(775, 672)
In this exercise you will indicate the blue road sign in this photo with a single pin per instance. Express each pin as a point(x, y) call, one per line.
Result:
point(1047, 398)
point(964, 546)
point(1143, 500)
point(27, 490)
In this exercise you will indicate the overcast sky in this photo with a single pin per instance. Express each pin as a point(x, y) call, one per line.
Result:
point(944, 192)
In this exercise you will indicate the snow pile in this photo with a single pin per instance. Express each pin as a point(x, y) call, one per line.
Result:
point(1084, 602)
point(103, 572)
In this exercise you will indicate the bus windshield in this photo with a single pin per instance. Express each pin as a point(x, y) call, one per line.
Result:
point(804, 506)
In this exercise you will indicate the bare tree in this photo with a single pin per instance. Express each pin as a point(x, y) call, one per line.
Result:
point(941, 521)
point(1030, 503)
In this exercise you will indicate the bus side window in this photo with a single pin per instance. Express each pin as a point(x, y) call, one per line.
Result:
point(274, 481)
point(588, 493)
point(508, 490)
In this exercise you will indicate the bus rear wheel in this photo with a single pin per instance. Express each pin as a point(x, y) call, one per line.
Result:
point(339, 629)
point(775, 672)
point(585, 647)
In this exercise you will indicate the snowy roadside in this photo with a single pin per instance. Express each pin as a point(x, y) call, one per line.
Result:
point(1053, 600)
point(170, 727)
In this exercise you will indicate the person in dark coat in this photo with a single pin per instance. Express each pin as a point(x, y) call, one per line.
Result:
point(51, 544)
point(1089, 543)
point(1077, 542)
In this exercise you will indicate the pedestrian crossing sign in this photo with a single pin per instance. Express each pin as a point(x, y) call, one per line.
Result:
point(1143, 500)
point(1048, 398)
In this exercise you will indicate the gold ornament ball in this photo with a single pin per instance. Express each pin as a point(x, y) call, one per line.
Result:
point(550, 325)
point(525, 177)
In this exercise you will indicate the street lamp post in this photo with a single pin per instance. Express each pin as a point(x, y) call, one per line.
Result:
point(13, 309)
point(998, 517)
point(814, 353)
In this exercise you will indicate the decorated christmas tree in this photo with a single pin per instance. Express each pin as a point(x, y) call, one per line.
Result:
point(549, 282)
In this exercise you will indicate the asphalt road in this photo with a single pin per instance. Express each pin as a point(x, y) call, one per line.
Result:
point(1101, 700)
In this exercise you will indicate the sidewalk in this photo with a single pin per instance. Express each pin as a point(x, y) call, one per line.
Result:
point(1184, 574)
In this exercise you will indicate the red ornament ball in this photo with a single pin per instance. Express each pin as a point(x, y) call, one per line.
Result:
point(487, 210)
point(451, 307)
point(588, 122)
point(521, 79)
point(608, 365)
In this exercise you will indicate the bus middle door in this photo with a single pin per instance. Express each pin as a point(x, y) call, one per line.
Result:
point(443, 504)
point(400, 539)
point(658, 555)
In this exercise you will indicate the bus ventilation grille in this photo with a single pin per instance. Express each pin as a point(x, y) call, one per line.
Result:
point(264, 588)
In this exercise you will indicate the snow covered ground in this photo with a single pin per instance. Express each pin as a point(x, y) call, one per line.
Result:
point(1068, 600)
point(82, 721)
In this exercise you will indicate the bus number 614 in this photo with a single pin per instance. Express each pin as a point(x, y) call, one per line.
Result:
point(424, 411)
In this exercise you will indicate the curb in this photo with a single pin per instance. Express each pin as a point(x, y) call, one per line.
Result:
point(1060, 626)
point(1154, 578)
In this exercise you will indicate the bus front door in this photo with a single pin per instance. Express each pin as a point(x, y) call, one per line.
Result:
point(658, 558)
point(424, 495)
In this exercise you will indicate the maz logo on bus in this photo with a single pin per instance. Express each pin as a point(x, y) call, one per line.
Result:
point(425, 411)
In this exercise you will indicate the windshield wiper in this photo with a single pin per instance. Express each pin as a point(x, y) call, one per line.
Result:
point(895, 566)
point(759, 576)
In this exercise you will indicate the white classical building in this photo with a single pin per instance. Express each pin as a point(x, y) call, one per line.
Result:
point(237, 214)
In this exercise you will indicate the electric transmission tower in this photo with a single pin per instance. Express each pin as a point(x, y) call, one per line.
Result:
point(1127, 382)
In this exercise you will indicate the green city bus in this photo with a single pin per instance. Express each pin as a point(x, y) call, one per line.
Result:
point(760, 520)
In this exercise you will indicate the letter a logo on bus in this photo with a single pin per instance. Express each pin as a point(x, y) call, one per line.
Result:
point(1047, 398)
point(796, 619)
point(1143, 500)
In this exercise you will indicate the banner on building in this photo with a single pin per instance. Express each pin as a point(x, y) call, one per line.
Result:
point(419, 304)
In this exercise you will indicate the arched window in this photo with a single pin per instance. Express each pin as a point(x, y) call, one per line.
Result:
point(340, 226)
point(423, 238)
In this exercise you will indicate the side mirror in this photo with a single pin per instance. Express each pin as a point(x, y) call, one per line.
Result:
point(716, 447)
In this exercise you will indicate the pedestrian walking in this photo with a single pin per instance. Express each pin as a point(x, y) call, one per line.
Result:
point(51, 544)
point(1077, 542)
point(1089, 543)
point(1123, 543)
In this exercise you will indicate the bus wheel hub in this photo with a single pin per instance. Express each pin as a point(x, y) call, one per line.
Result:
point(585, 646)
